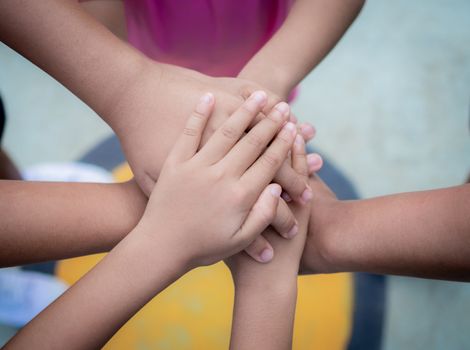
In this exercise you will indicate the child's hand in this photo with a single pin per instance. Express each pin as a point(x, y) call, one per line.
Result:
point(266, 293)
point(285, 263)
point(327, 212)
point(150, 112)
point(212, 203)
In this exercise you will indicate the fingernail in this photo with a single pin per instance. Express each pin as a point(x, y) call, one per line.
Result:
point(291, 128)
point(293, 231)
point(313, 160)
point(266, 255)
point(207, 98)
point(307, 130)
point(259, 96)
point(276, 191)
point(204, 102)
point(299, 140)
point(283, 108)
point(307, 195)
point(286, 197)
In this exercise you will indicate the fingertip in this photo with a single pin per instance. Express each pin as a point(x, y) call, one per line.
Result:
point(205, 104)
point(275, 190)
point(315, 162)
point(293, 118)
point(308, 131)
point(290, 129)
point(299, 144)
point(266, 255)
point(207, 98)
point(292, 232)
point(260, 97)
point(286, 197)
point(307, 195)
point(283, 108)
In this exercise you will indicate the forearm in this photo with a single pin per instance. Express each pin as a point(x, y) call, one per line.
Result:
point(48, 221)
point(263, 316)
point(311, 30)
point(70, 45)
point(423, 234)
point(92, 310)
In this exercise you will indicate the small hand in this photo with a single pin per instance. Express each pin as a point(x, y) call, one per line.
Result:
point(150, 114)
point(327, 210)
point(287, 252)
point(214, 202)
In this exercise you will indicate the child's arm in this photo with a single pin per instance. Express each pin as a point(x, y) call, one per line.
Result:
point(422, 234)
point(47, 221)
point(219, 199)
point(142, 100)
point(266, 294)
point(311, 30)
point(43, 221)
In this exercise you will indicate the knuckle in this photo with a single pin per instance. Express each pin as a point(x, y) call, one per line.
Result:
point(296, 184)
point(271, 159)
point(284, 139)
point(275, 99)
point(301, 167)
point(197, 116)
point(240, 194)
point(285, 222)
point(245, 91)
point(218, 173)
point(190, 131)
point(229, 132)
point(254, 140)
point(246, 108)
point(265, 213)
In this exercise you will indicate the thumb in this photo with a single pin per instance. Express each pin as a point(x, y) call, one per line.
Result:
point(260, 216)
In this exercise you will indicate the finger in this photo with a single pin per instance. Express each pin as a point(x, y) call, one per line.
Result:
point(307, 131)
point(260, 250)
point(188, 142)
point(315, 162)
point(249, 148)
point(292, 183)
point(273, 100)
point(233, 128)
point(299, 164)
point(260, 216)
point(284, 222)
point(293, 118)
point(267, 165)
point(299, 157)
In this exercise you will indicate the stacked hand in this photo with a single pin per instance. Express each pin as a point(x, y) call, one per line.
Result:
point(222, 190)
point(148, 126)
point(151, 110)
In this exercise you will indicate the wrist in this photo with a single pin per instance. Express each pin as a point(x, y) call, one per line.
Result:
point(275, 79)
point(279, 282)
point(116, 111)
point(155, 249)
point(324, 248)
point(283, 289)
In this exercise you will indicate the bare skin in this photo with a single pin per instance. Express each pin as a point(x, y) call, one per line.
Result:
point(422, 234)
point(90, 218)
point(171, 240)
point(267, 293)
point(143, 101)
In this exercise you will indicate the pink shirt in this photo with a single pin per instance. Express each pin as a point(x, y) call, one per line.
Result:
point(215, 37)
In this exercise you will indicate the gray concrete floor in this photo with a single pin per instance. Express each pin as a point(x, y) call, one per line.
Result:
point(391, 105)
